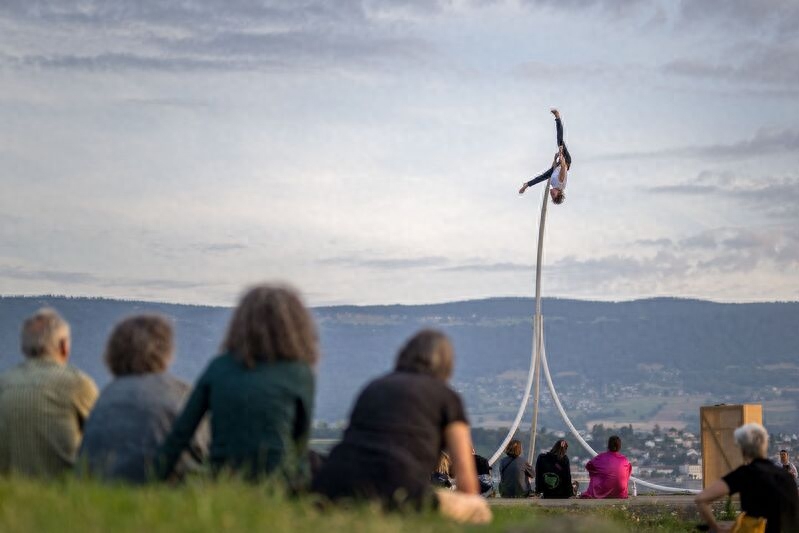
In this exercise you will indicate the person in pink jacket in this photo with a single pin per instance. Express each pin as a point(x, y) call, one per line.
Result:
point(608, 473)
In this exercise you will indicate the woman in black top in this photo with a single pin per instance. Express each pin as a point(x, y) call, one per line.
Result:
point(766, 490)
point(398, 426)
point(553, 478)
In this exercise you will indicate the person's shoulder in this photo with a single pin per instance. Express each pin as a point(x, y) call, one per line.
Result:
point(9, 373)
point(223, 363)
point(78, 376)
point(167, 381)
point(78, 381)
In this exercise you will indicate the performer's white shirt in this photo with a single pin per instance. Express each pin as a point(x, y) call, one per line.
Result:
point(554, 179)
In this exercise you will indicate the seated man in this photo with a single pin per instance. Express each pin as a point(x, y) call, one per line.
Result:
point(787, 465)
point(609, 473)
point(43, 402)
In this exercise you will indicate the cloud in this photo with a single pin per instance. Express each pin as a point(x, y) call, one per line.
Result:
point(780, 16)
point(750, 63)
point(704, 261)
point(614, 7)
point(777, 197)
point(490, 267)
point(384, 263)
point(764, 142)
point(167, 103)
point(85, 278)
point(439, 264)
point(222, 247)
point(204, 35)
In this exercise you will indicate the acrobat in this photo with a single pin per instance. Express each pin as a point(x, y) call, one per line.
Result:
point(557, 173)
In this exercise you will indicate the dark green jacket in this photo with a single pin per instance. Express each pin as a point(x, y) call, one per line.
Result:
point(260, 418)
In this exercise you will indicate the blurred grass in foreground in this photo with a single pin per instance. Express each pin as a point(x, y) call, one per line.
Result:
point(201, 506)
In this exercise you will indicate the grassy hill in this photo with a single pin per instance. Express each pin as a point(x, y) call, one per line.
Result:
point(84, 507)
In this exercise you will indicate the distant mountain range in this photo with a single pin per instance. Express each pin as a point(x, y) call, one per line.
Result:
point(637, 362)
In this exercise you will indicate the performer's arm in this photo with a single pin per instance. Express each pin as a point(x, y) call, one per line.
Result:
point(563, 168)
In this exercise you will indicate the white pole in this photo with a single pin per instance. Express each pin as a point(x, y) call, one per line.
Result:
point(539, 325)
point(536, 345)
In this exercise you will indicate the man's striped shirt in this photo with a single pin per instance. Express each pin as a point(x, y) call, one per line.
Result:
point(43, 406)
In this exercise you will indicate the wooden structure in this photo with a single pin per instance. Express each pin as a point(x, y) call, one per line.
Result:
point(720, 453)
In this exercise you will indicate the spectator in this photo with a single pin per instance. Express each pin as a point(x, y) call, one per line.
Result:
point(259, 391)
point(440, 477)
point(608, 473)
point(483, 474)
point(398, 426)
point(767, 491)
point(515, 473)
point(44, 402)
point(786, 464)
point(553, 477)
point(135, 412)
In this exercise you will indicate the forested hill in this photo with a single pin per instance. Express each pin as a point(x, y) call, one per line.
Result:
point(610, 354)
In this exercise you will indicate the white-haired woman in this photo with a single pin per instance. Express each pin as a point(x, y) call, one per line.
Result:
point(767, 491)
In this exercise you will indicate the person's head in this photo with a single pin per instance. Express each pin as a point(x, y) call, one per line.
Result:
point(46, 334)
point(141, 344)
point(271, 324)
point(444, 464)
point(560, 448)
point(784, 456)
point(558, 196)
point(514, 448)
point(753, 440)
point(428, 352)
point(614, 443)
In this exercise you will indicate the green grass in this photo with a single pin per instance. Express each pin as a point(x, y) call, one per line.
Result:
point(201, 506)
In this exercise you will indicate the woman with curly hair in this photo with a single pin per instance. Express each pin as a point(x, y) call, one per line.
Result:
point(259, 391)
point(136, 410)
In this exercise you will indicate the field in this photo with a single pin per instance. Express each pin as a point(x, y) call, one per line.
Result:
point(87, 507)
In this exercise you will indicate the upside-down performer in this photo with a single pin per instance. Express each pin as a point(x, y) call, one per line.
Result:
point(558, 171)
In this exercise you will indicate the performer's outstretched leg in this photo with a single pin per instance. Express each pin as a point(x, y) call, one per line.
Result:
point(538, 179)
point(559, 136)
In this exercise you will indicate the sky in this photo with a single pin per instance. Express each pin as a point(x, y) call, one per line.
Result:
point(371, 151)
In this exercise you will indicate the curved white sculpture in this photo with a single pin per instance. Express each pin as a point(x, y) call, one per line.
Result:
point(538, 356)
point(536, 349)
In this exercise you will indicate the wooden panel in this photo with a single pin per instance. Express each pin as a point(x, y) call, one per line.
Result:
point(720, 453)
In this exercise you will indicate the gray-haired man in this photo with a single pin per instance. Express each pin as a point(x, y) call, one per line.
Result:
point(43, 401)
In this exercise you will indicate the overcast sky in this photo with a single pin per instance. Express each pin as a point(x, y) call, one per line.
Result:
point(371, 151)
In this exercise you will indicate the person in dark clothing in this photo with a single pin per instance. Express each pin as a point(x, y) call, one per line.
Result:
point(767, 491)
point(483, 474)
point(259, 392)
point(553, 478)
point(515, 473)
point(557, 173)
point(399, 425)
